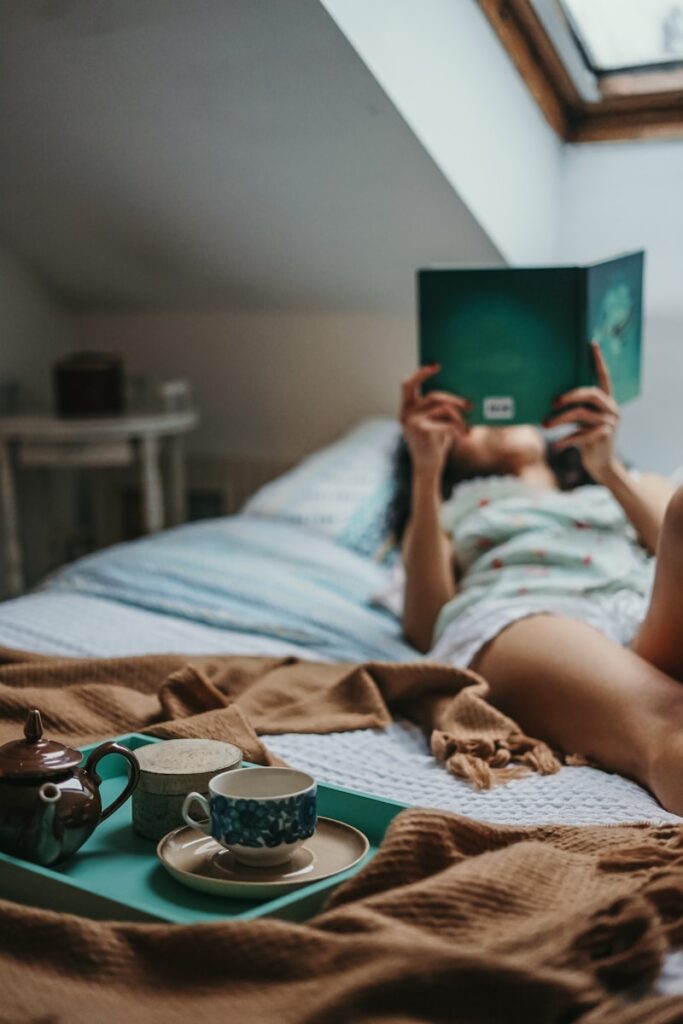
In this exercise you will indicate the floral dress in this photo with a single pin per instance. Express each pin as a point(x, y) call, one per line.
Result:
point(524, 550)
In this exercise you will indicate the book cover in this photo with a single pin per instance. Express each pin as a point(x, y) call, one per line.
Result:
point(512, 339)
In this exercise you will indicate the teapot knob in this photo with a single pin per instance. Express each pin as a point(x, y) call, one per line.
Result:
point(33, 729)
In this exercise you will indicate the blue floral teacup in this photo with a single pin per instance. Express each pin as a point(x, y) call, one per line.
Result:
point(262, 815)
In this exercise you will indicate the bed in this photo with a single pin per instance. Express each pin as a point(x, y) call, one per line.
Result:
point(295, 573)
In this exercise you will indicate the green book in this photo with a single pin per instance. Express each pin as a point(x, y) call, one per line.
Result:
point(511, 340)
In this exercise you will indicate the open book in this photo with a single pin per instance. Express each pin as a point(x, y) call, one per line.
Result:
point(512, 339)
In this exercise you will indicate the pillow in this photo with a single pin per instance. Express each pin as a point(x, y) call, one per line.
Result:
point(341, 491)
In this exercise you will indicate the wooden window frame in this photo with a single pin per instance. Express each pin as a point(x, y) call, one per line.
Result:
point(632, 104)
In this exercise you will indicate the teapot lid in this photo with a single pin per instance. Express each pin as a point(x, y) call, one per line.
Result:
point(34, 757)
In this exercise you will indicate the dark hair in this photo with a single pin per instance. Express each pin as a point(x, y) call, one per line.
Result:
point(566, 465)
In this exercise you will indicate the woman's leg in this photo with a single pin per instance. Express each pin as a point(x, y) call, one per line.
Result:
point(566, 683)
point(660, 638)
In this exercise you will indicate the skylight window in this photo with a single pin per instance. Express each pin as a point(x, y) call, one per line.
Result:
point(620, 35)
point(599, 69)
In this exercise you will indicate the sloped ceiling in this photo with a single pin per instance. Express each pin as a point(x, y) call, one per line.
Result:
point(182, 153)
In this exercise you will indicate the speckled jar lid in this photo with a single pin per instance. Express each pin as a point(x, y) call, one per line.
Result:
point(177, 766)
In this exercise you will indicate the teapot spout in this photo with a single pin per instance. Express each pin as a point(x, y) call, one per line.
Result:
point(49, 794)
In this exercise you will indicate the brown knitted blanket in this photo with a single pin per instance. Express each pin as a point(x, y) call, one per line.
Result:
point(453, 921)
point(235, 699)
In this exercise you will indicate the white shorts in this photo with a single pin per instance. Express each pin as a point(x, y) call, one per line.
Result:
point(616, 615)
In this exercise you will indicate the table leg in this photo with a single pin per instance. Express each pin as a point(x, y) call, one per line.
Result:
point(10, 525)
point(152, 490)
point(177, 485)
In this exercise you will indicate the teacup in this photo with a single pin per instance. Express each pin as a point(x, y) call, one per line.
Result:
point(262, 815)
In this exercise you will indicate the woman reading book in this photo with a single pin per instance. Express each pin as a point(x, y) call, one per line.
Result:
point(544, 579)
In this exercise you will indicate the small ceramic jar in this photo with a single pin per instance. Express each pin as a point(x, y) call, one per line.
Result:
point(168, 772)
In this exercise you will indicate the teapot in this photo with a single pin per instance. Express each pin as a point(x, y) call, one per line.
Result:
point(49, 805)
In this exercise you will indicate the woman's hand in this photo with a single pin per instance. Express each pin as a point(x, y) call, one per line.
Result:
point(431, 423)
point(596, 413)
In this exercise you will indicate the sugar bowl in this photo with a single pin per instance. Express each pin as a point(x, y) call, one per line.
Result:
point(168, 772)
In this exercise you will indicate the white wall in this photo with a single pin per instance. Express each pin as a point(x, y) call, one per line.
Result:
point(278, 383)
point(34, 328)
point(214, 154)
point(444, 68)
point(268, 384)
point(619, 196)
point(34, 331)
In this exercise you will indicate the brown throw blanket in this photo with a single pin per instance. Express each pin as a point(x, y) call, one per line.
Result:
point(453, 921)
point(235, 699)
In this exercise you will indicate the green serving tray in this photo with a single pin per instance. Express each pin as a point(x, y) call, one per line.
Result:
point(116, 874)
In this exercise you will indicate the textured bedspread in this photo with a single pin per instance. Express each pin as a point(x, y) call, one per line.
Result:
point(452, 921)
point(244, 574)
point(392, 760)
point(117, 603)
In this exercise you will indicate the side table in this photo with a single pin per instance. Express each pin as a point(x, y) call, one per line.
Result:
point(105, 441)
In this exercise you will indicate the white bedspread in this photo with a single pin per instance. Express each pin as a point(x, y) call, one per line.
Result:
point(393, 762)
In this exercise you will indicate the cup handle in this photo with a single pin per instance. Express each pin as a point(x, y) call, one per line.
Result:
point(191, 798)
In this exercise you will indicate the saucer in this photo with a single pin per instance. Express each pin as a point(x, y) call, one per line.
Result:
point(198, 861)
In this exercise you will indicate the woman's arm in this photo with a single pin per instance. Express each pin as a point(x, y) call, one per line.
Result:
point(431, 424)
point(427, 557)
point(643, 498)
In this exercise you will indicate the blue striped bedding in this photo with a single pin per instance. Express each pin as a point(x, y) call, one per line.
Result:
point(256, 576)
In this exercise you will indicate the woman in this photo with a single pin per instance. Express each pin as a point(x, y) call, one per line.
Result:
point(549, 594)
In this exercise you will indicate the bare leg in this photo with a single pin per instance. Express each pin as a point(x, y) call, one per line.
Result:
point(660, 638)
point(566, 683)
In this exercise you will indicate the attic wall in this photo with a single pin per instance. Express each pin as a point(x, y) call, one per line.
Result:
point(268, 384)
point(621, 196)
point(34, 331)
point(34, 328)
point(444, 69)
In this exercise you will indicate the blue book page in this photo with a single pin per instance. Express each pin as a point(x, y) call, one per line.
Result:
point(614, 315)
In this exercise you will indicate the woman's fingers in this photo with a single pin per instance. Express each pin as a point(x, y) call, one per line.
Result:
point(443, 397)
point(582, 414)
point(581, 438)
point(443, 413)
point(410, 388)
point(444, 423)
point(587, 396)
point(600, 396)
point(413, 401)
point(604, 381)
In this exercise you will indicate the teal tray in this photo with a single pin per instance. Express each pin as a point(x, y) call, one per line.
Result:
point(116, 874)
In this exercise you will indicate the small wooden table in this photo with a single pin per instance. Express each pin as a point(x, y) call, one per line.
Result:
point(104, 441)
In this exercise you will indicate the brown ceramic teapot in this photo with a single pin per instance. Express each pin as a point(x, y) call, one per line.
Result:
point(48, 804)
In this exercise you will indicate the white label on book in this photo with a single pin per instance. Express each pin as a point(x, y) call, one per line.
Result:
point(499, 407)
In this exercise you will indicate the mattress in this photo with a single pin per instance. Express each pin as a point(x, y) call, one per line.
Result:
point(248, 585)
point(67, 618)
point(246, 574)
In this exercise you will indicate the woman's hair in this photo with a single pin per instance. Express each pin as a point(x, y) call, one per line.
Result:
point(566, 465)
